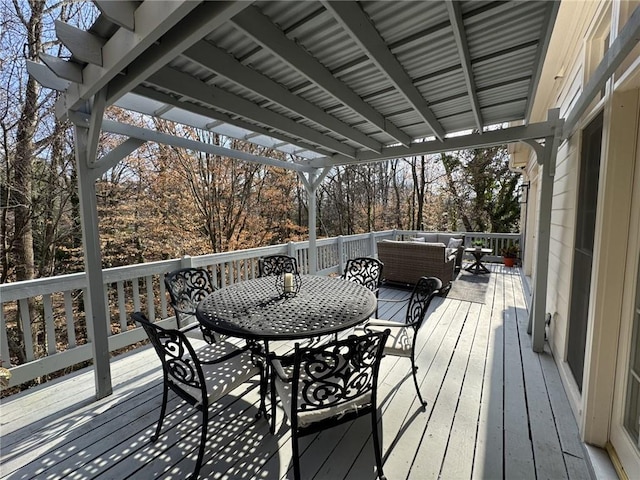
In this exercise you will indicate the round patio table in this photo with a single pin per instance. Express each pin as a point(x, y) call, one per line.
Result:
point(254, 309)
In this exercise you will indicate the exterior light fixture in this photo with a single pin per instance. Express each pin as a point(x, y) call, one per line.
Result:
point(524, 192)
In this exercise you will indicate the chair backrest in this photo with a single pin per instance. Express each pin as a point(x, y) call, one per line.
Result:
point(277, 265)
point(187, 287)
point(423, 293)
point(337, 373)
point(366, 271)
point(180, 364)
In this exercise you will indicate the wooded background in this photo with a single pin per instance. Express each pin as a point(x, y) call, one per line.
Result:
point(162, 202)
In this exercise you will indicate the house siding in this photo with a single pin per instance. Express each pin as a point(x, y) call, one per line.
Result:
point(570, 63)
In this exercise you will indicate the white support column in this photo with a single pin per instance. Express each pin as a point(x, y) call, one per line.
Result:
point(311, 207)
point(548, 162)
point(311, 186)
point(99, 312)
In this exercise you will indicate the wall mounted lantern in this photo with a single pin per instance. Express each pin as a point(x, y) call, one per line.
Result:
point(524, 192)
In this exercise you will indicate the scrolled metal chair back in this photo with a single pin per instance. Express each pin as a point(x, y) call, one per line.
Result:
point(187, 287)
point(326, 377)
point(364, 270)
point(421, 297)
point(277, 265)
point(180, 364)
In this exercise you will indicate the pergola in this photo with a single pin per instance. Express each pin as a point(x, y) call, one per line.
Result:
point(328, 83)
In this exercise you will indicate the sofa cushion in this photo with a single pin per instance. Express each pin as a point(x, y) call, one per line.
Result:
point(429, 237)
point(454, 242)
point(445, 237)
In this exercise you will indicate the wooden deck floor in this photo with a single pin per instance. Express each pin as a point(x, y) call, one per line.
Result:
point(495, 410)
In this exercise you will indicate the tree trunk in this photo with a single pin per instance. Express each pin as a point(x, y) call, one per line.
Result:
point(23, 160)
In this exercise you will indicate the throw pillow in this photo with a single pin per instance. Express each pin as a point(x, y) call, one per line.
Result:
point(416, 239)
point(454, 242)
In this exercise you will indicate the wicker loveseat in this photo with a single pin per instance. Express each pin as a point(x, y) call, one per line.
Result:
point(443, 237)
point(406, 262)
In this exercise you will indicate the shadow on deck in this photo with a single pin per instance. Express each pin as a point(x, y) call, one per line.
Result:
point(495, 410)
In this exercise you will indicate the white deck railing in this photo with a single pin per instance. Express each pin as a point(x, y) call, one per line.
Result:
point(52, 310)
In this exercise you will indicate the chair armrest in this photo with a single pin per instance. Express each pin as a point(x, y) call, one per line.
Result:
point(392, 300)
point(279, 364)
point(378, 322)
point(222, 358)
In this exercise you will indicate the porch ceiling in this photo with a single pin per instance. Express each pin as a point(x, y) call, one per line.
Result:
point(328, 82)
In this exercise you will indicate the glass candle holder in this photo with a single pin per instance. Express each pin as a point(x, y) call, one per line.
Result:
point(288, 284)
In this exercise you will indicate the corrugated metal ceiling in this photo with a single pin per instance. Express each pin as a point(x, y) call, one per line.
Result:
point(368, 102)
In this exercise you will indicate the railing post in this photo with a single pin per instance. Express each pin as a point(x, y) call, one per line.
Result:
point(372, 244)
point(186, 261)
point(341, 255)
point(291, 251)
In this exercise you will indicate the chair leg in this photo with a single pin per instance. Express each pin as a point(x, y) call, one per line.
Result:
point(414, 370)
point(296, 456)
point(264, 385)
point(376, 445)
point(163, 409)
point(203, 442)
point(272, 400)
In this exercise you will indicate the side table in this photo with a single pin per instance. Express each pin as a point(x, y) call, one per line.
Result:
point(477, 266)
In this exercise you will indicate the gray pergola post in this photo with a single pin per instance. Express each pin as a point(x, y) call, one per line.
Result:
point(311, 184)
point(546, 158)
point(97, 313)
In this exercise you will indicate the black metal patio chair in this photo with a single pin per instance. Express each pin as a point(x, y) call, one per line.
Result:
point(366, 271)
point(325, 386)
point(200, 377)
point(187, 287)
point(402, 340)
point(277, 265)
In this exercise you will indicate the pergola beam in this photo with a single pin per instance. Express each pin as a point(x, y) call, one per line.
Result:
point(121, 12)
point(85, 46)
point(255, 24)
point(219, 117)
point(124, 47)
point(541, 55)
point(188, 86)
point(224, 64)
point(353, 19)
point(196, 25)
point(147, 135)
point(63, 69)
point(474, 140)
point(621, 47)
point(46, 77)
point(112, 158)
point(457, 24)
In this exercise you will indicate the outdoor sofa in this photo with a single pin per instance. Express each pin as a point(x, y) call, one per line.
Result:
point(406, 261)
point(452, 241)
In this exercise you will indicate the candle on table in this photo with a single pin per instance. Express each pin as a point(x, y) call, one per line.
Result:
point(288, 282)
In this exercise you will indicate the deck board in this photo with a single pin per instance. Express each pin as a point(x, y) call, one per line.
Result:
point(495, 410)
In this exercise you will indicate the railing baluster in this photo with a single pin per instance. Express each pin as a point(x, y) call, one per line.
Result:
point(121, 306)
point(151, 307)
point(50, 325)
point(163, 297)
point(26, 329)
point(105, 289)
point(136, 294)
point(5, 356)
point(68, 311)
